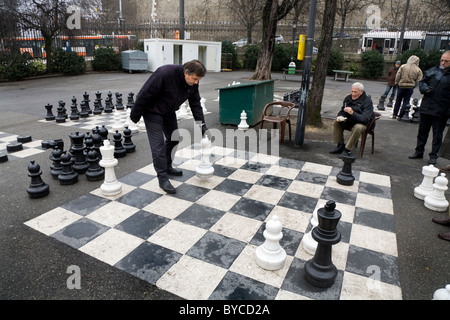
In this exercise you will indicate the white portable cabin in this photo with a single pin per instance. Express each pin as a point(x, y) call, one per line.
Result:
point(170, 51)
point(387, 42)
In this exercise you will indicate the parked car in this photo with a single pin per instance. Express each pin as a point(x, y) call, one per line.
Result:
point(240, 43)
point(279, 38)
point(344, 35)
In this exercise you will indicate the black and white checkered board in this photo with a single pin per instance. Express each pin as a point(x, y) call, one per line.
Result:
point(108, 120)
point(28, 148)
point(200, 242)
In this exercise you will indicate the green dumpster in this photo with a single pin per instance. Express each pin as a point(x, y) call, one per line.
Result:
point(251, 97)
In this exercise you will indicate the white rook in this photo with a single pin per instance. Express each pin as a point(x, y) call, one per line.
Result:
point(111, 186)
point(425, 188)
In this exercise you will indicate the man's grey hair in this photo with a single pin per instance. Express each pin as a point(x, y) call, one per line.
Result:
point(358, 85)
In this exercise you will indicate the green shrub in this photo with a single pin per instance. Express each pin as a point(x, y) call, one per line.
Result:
point(228, 48)
point(38, 67)
point(372, 63)
point(16, 67)
point(281, 58)
point(353, 68)
point(336, 61)
point(426, 60)
point(105, 59)
point(68, 63)
point(251, 57)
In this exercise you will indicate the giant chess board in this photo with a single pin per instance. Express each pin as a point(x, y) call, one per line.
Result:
point(200, 242)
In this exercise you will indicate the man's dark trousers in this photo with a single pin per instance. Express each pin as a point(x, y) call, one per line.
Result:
point(159, 131)
point(426, 123)
point(405, 95)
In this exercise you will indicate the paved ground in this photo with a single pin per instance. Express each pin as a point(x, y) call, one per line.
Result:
point(33, 266)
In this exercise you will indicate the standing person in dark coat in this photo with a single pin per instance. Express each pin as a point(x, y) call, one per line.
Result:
point(161, 95)
point(391, 81)
point(435, 108)
point(355, 115)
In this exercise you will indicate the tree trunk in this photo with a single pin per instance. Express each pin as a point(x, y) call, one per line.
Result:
point(48, 39)
point(270, 20)
point(313, 111)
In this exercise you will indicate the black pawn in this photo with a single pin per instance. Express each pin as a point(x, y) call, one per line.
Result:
point(56, 167)
point(86, 102)
point(97, 140)
point(119, 150)
point(49, 116)
point(390, 103)
point(345, 176)
point(95, 171)
point(320, 271)
point(108, 105)
point(84, 111)
point(61, 113)
point(77, 149)
point(38, 188)
point(97, 109)
point(75, 114)
point(67, 175)
point(380, 105)
point(130, 100)
point(103, 132)
point(405, 117)
point(119, 104)
point(127, 143)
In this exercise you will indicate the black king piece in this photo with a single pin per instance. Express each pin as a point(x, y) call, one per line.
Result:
point(320, 271)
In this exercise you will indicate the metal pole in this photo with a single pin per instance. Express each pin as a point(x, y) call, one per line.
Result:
point(182, 19)
point(402, 34)
point(304, 90)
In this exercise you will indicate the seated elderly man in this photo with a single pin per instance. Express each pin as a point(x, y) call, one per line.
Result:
point(355, 115)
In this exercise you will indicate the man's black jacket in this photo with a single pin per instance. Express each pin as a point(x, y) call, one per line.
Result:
point(164, 92)
point(435, 87)
point(362, 107)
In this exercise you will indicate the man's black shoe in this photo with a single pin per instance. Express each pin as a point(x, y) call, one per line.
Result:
point(167, 187)
point(432, 160)
point(416, 155)
point(339, 148)
point(174, 171)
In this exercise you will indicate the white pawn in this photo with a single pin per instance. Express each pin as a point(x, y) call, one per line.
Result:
point(425, 188)
point(183, 111)
point(117, 125)
point(436, 199)
point(243, 125)
point(130, 124)
point(141, 124)
point(309, 244)
point(205, 170)
point(202, 103)
point(442, 294)
point(111, 186)
point(270, 255)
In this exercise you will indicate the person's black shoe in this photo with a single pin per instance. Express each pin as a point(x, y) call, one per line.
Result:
point(174, 171)
point(432, 160)
point(339, 148)
point(416, 155)
point(167, 187)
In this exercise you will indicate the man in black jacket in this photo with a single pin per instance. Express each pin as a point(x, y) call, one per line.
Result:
point(159, 98)
point(435, 108)
point(355, 115)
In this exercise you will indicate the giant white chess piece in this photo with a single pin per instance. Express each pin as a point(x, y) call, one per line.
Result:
point(205, 170)
point(429, 173)
point(270, 255)
point(243, 125)
point(309, 244)
point(436, 199)
point(111, 186)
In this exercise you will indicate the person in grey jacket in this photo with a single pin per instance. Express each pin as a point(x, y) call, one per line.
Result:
point(434, 108)
point(407, 77)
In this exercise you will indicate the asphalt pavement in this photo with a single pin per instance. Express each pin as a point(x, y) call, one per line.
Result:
point(34, 266)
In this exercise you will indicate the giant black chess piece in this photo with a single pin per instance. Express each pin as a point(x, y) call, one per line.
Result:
point(119, 150)
point(38, 188)
point(49, 116)
point(77, 148)
point(95, 171)
point(67, 175)
point(320, 271)
point(128, 144)
point(345, 176)
point(380, 105)
point(56, 167)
